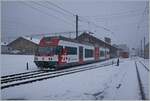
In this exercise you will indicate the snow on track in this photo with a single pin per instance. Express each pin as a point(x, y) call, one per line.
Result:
point(144, 75)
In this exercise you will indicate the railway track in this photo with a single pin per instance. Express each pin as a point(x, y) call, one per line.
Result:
point(33, 77)
point(144, 65)
point(140, 83)
point(21, 76)
point(13, 75)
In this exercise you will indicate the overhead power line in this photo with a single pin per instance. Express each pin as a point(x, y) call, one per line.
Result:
point(51, 8)
point(145, 11)
point(49, 2)
point(64, 10)
point(126, 15)
point(79, 17)
point(53, 33)
point(83, 19)
point(114, 14)
point(48, 14)
point(90, 22)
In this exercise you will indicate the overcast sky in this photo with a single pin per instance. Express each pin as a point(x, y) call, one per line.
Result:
point(126, 20)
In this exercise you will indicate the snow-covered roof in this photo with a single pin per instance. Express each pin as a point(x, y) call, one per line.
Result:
point(34, 40)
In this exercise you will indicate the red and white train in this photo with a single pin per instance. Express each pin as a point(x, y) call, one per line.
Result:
point(59, 52)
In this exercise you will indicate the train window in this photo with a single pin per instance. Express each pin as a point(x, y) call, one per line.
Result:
point(106, 52)
point(102, 53)
point(88, 53)
point(58, 50)
point(71, 50)
point(45, 50)
point(50, 50)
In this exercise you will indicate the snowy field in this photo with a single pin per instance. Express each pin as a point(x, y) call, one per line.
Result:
point(16, 63)
point(110, 82)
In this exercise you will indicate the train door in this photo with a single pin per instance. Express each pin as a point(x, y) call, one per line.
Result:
point(96, 55)
point(80, 54)
point(62, 57)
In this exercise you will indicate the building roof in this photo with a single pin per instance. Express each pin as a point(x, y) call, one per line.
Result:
point(123, 47)
point(34, 40)
point(29, 39)
point(94, 40)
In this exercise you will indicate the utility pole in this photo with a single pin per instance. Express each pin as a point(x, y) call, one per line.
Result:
point(144, 47)
point(76, 26)
point(141, 48)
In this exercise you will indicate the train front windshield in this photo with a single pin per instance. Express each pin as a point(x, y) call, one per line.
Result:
point(49, 50)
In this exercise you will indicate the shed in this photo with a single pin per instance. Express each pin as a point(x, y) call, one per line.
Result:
point(26, 45)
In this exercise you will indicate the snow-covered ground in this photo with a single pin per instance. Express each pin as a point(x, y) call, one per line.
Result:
point(16, 63)
point(144, 61)
point(110, 82)
point(144, 75)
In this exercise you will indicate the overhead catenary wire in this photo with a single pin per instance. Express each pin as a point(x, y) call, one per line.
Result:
point(145, 11)
point(143, 14)
point(66, 11)
point(99, 17)
point(49, 2)
point(106, 28)
point(54, 33)
point(51, 8)
point(88, 22)
point(125, 16)
point(114, 14)
point(62, 9)
point(48, 14)
point(79, 16)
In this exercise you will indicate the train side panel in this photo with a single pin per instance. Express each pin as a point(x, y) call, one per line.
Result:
point(71, 50)
point(70, 53)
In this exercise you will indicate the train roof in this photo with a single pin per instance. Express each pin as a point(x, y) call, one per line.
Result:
point(67, 39)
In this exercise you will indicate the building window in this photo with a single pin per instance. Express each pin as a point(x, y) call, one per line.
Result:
point(88, 53)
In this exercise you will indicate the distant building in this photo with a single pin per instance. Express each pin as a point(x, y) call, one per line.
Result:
point(4, 48)
point(123, 50)
point(133, 52)
point(86, 37)
point(26, 45)
point(107, 40)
